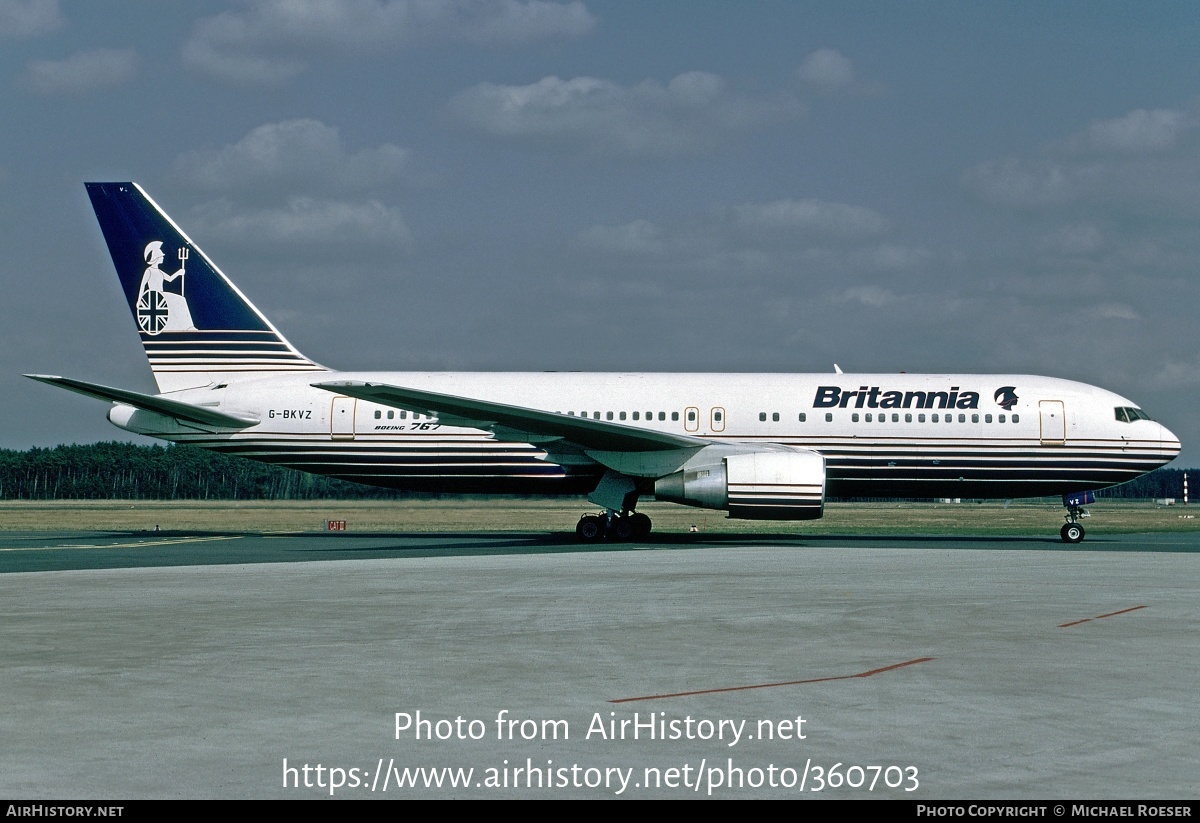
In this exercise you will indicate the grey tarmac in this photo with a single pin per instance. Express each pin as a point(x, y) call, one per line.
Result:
point(222, 665)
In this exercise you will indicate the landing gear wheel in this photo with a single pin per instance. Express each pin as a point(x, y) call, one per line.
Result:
point(590, 528)
point(623, 528)
point(641, 526)
point(1072, 533)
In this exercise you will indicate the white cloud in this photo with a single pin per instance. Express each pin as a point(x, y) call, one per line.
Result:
point(1146, 161)
point(82, 72)
point(891, 257)
point(304, 152)
point(29, 18)
point(1010, 181)
point(762, 242)
point(827, 70)
point(271, 40)
point(815, 217)
point(691, 114)
point(638, 237)
point(1139, 131)
point(1116, 311)
point(1177, 374)
point(872, 296)
point(305, 221)
point(1075, 239)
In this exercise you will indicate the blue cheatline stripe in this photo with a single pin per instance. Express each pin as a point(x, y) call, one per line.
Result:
point(426, 459)
point(218, 347)
point(232, 360)
point(247, 367)
point(200, 336)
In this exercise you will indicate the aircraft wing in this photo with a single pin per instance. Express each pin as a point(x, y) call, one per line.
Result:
point(178, 409)
point(516, 422)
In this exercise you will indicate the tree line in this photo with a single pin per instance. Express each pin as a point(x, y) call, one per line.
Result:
point(128, 471)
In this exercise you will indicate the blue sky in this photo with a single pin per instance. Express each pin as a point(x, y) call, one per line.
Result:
point(700, 186)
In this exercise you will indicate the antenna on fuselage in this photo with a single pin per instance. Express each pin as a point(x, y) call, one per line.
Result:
point(837, 369)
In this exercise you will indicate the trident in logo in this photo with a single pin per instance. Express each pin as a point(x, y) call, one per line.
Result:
point(183, 256)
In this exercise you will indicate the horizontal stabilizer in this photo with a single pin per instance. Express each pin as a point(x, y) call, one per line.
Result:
point(499, 417)
point(178, 409)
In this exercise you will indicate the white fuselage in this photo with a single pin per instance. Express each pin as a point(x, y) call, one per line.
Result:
point(911, 435)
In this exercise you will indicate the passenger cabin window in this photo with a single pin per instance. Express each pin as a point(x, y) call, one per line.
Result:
point(775, 417)
point(804, 417)
point(828, 417)
point(609, 416)
point(674, 415)
point(635, 415)
point(854, 417)
point(718, 416)
point(378, 414)
point(762, 417)
point(691, 416)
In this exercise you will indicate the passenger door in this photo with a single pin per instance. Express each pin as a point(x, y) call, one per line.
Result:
point(341, 418)
point(1053, 422)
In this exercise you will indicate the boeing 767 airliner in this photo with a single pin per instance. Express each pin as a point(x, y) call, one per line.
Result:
point(758, 446)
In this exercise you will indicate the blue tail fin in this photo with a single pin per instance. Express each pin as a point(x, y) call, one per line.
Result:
point(196, 326)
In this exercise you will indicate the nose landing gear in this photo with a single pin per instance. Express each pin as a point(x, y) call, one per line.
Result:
point(1072, 531)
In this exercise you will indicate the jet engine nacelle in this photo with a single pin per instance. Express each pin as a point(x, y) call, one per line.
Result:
point(759, 485)
point(142, 421)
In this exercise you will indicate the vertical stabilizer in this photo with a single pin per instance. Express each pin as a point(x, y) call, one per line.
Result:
point(195, 325)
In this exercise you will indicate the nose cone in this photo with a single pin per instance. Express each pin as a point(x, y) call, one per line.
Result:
point(1170, 444)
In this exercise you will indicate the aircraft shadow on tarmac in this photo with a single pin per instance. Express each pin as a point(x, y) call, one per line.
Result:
point(28, 552)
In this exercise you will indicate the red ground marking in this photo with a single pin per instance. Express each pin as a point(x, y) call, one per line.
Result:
point(1100, 617)
point(773, 685)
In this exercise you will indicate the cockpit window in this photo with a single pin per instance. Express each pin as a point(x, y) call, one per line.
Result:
point(1127, 414)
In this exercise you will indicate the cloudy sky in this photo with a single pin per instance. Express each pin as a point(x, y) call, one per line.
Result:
point(696, 186)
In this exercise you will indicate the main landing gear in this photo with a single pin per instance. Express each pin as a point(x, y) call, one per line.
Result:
point(623, 526)
point(1072, 531)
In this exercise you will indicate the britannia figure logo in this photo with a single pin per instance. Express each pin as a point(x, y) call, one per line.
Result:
point(162, 302)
